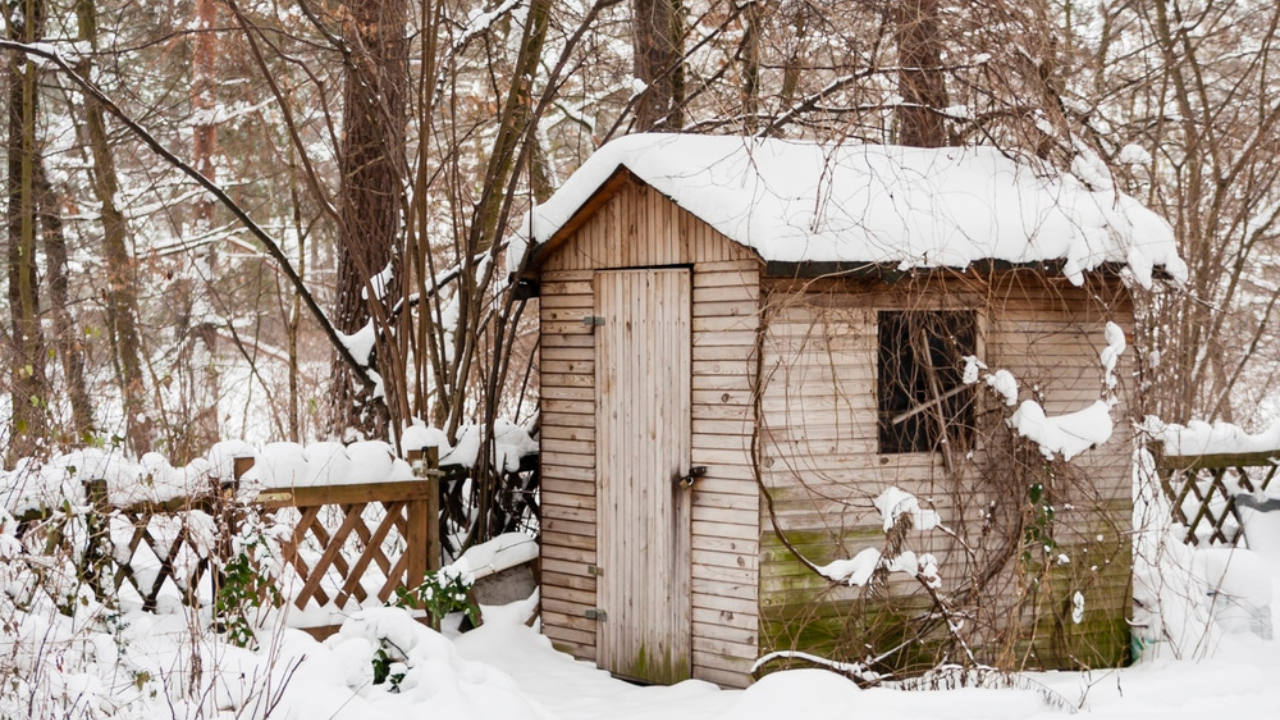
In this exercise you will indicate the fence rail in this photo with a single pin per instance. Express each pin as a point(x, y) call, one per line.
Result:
point(337, 542)
point(400, 509)
point(1201, 490)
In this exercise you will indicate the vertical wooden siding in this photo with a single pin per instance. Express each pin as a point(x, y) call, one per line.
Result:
point(640, 228)
point(642, 447)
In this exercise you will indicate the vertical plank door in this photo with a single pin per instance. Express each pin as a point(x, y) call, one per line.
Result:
point(643, 360)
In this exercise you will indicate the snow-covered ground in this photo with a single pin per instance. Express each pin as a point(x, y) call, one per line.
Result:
point(507, 671)
point(65, 654)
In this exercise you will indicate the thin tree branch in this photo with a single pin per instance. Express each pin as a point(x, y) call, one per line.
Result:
point(47, 53)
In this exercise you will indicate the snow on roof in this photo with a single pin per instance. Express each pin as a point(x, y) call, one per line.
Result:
point(797, 201)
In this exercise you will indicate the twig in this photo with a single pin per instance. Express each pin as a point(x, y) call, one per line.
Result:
point(273, 248)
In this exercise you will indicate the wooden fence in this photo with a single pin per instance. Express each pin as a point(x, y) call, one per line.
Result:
point(332, 538)
point(1204, 490)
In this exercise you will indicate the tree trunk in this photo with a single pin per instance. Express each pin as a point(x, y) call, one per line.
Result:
point(921, 83)
point(29, 386)
point(795, 59)
point(751, 17)
point(201, 333)
point(513, 125)
point(121, 291)
point(66, 337)
point(656, 30)
point(371, 163)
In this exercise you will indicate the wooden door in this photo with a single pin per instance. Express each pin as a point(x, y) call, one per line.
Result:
point(643, 421)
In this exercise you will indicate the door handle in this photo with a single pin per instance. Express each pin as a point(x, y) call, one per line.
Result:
point(695, 472)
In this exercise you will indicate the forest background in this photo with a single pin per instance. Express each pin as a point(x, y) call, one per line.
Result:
point(286, 221)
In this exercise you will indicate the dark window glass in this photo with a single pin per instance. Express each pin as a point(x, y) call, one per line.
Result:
point(921, 367)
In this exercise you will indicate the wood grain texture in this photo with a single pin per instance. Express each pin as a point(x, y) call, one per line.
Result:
point(642, 448)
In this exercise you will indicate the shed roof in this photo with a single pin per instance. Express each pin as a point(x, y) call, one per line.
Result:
point(797, 201)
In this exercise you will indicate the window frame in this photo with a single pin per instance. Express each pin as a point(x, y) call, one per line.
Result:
point(922, 434)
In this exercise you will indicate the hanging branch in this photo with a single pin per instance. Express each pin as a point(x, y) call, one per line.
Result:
point(48, 53)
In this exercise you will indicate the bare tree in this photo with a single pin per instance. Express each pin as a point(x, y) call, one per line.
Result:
point(29, 387)
point(121, 282)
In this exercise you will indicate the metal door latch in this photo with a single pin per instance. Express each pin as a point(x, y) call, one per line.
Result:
point(595, 614)
point(695, 472)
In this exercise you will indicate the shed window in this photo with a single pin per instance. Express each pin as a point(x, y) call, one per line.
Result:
point(922, 396)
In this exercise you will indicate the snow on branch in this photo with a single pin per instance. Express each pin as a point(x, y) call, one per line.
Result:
point(894, 504)
point(1066, 435)
point(50, 54)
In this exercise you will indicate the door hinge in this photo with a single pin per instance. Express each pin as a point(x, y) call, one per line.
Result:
point(592, 320)
point(595, 571)
point(596, 614)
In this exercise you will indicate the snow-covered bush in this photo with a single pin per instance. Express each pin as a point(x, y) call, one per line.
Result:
point(444, 591)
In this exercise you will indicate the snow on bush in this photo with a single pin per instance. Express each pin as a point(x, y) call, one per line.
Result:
point(422, 669)
point(511, 442)
point(1066, 435)
point(1189, 600)
point(893, 505)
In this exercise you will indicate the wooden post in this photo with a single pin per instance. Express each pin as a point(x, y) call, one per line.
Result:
point(434, 552)
point(241, 466)
point(424, 517)
point(98, 545)
point(228, 514)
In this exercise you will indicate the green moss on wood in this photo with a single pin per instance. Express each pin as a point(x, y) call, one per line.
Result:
point(801, 611)
point(662, 668)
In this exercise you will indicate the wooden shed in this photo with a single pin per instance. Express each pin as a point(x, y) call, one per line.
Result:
point(732, 332)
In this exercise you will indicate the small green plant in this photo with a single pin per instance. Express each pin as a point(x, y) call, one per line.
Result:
point(245, 589)
point(1038, 534)
point(385, 670)
point(442, 592)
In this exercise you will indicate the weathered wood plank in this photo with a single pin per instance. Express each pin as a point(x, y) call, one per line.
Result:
point(562, 549)
point(343, 494)
point(725, 618)
point(568, 459)
point(567, 472)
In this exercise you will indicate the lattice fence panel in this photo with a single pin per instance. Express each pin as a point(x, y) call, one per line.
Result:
point(1204, 491)
point(341, 546)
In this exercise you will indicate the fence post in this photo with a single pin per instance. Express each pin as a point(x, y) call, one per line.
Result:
point(97, 549)
point(434, 553)
point(226, 513)
point(229, 509)
point(241, 465)
point(424, 517)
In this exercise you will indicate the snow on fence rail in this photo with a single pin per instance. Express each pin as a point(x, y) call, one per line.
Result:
point(344, 536)
point(336, 545)
point(1208, 473)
